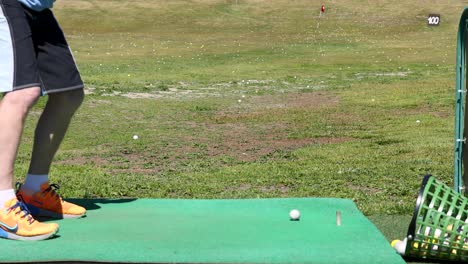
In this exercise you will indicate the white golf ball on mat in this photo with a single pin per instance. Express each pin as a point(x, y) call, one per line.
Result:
point(294, 214)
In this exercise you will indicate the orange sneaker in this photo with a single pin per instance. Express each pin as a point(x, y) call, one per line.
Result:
point(17, 223)
point(48, 203)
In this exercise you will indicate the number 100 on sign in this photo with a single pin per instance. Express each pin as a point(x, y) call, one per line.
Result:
point(433, 20)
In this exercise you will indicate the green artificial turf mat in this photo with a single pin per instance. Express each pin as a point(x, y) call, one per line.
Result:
point(211, 231)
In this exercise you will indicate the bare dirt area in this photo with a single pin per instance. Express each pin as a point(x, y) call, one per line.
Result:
point(244, 133)
point(245, 145)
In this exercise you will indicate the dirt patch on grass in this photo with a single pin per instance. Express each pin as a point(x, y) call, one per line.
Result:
point(252, 143)
point(246, 133)
point(249, 141)
point(214, 144)
point(270, 106)
point(362, 75)
point(295, 100)
point(425, 109)
point(364, 189)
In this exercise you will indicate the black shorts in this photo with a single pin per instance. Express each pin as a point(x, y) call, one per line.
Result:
point(34, 52)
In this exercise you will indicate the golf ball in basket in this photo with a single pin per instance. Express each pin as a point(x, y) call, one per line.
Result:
point(400, 246)
point(294, 214)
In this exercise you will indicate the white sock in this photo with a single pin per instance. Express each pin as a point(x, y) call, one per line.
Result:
point(6, 195)
point(33, 182)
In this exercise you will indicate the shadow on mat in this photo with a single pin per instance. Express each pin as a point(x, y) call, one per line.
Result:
point(93, 204)
point(89, 204)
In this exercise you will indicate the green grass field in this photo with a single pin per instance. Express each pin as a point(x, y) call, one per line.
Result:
point(257, 98)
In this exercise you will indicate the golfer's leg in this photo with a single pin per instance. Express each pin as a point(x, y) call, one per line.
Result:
point(14, 108)
point(52, 127)
point(50, 131)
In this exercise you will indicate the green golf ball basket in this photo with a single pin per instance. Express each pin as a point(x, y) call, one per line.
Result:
point(439, 228)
